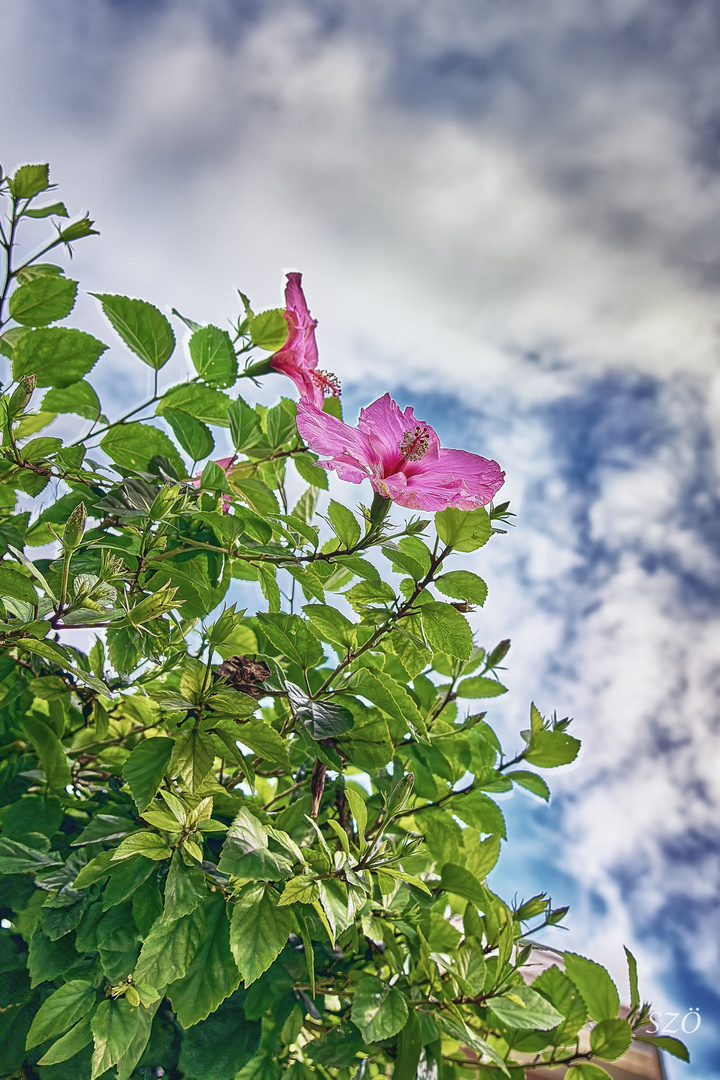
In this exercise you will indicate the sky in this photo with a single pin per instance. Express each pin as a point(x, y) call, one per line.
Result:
point(508, 215)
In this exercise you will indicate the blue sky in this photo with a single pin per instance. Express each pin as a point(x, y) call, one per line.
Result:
point(506, 214)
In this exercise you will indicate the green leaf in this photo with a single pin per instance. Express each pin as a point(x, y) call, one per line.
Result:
point(458, 880)
point(299, 890)
point(245, 430)
point(521, 1007)
point(149, 844)
point(269, 330)
point(445, 629)
point(280, 422)
point(480, 812)
point(56, 355)
point(259, 930)
point(212, 353)
point(42, 301)
point(358, 809)
point(143, 328)
point(610, 1039)
point(50, 752)
point(57, 209)
point(195, 438)
point(477, 686)
point(463, 585)
point(309, 471)
point(594, 983)
point(117, 1029)
point(265, 741)
point(61, 1011)
point(368, 746)
point(667, 1043)
point(261, 1067)
point(29, 180)
point(548, 749)
point(561, 992)
point(344, 523)
point(258, 496)
point(16, 585)
point(331, 625)
point(245, 852)
point(633, 977)
point(132, 446)
point(392, 698)
point(80, 398)
point(464, 530)
point(532, 782)
point(145, 768)
point(585, 1070)
point(321, 719)
point(377, 1010)
point(170, 948)
point(193, 757)
point(70, 1044)
point(291, 637)
point(212, 975)
point(185, 888)
point(203, 402)
point(219, 1047)
point(409, 1048)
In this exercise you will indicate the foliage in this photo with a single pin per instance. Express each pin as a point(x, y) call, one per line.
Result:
point(245, 845)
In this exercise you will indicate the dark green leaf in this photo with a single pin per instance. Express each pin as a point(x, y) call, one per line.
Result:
point(321, 719)
point(203, 402)
point(50, 751)
point(212, 975)
point(331, 625)
point(143, 328)
point(61, 1011)
point(464, 530)
point(594, 983)
point(69, 1045)
point(43, 301)
point(458, 880)
point(17, 585)
point(633, 977)
point(170, 948)
point(115, 1027)
point(409, 1048)
point(259, 930)
point(245, 429)
point(446, 630)
point(392, 698)
point(219, 1047)
point(194, 437)
point(377, 1010)
point(131, 446)
point(145, 767)
point(610, 1039)
point(80, 398)
point(57, 355)
point(310, 472)
point(212, 353)
point(280, 423)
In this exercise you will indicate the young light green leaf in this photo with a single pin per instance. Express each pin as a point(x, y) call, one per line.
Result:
point(463, 530)
point(149, 844)
point(212, 353)
point(610, 1038)
point(633, 977)
point(477, 686)
point(521, 1007)
point(532, 782)
point(42, 301)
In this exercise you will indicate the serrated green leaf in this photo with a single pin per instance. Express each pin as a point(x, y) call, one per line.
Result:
point(299, 890)
point(259, 930)
point(193, 757)
point(195, 438)
point(68, 1004)
point(143, 328)
point(477, 686)
point(463, 585)
point(594, 983)
point(464, 530)
point(344, 523)
point(29, 180)
point(43, 301)
point(532, 782)
point(392, 698)
point(331, 625)
point(56, 355)
point(76, 1039)
point(523, 1008)
point(610, 1038)
point(378, 1010)
point(170, 948)
point(80, 398)
point(549, 749)
point(446, 630)
point(145, 767)
point(458, 880)
point(269, 330)
point(633, 978)
point(133, 445)
point(13, 583)
point(675, 1047)
point(149, 844)
point(213, 355)
point(205, 403)
point(212, 975)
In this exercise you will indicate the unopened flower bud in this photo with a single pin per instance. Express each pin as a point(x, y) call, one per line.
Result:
point(399, 795)
point(21, 395)
point(75, 528)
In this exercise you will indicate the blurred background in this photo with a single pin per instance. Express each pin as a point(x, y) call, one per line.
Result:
point(508, 215)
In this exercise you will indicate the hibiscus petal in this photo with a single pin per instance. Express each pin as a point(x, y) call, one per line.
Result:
point(386, 426)
point(455, 478)
point(349, 449)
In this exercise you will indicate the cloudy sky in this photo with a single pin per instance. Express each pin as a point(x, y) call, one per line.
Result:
point(508, 215)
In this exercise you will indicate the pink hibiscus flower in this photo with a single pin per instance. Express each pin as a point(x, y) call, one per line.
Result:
point(400, 456)
point(299, 355)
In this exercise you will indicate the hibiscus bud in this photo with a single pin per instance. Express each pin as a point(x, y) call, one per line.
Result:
point(74, 528)
point(21, 395)
point(399, 795)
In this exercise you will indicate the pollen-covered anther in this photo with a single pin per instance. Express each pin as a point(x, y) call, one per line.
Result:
point(327, 382)
point(415, 442)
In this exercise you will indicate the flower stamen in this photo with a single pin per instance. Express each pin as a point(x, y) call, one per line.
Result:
point(415, 442)
point(327, 382)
